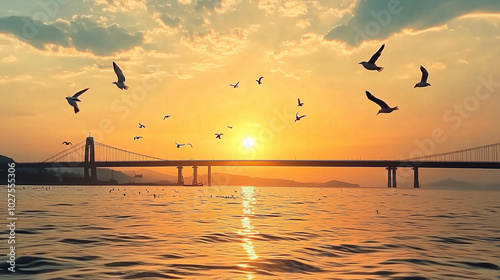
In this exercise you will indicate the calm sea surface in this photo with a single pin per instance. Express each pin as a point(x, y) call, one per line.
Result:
point(252, 233)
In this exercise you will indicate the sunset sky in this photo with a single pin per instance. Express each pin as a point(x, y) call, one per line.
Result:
point(180, 56)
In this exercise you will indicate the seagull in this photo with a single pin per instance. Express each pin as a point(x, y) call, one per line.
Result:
point(179, 145)
point(137, 137)
point(370, 65)
point(66, 143)
point(235, 85)
point(423, 82)
point(218, 135)
point(300, 103)
point(297, 118)
point(230, 127)
point(190, 145)
point(259, 80)
point(121, 78)
point(141, 125)
point(166, 117)
point(384, 108)
point(73, 99)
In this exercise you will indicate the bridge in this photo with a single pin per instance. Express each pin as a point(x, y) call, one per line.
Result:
point(90, 155)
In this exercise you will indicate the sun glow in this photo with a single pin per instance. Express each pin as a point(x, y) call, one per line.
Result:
point(248, 142)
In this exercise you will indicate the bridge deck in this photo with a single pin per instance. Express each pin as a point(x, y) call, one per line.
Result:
point(263, 163)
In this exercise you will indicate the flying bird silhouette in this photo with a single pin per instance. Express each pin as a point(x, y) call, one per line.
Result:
point(137, 137)
point(66, 143)
point(230, 127)
point(300, 103)
point(384, 108)
point(73, 99)
point(370, 65)
point(259, 80)
point(218, 135)
point(141, 125)
point(190, 144)
point(423, 82)
point(297, 117)
point(166, 117)
point(179, 145)
point(121, 78)
point(235, 85)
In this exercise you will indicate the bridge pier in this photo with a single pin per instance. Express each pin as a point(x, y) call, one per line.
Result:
point(89, 169)
point(394, 185)
point(209, 183)
point(388, 177)
point(416, 183)
point(195, 175)
point(180, 179)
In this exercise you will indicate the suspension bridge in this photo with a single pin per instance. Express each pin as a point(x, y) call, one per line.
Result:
point(90, 155)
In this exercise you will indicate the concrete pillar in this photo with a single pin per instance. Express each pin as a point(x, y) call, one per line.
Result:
point(394, 185)
point(180, 179)
point(209, 175)
point(90, 170)
point(416, 183)
point(195, 175)
point(388, 177)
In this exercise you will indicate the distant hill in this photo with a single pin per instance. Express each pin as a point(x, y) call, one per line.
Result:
point(4, 159)
point(450, 184)
point(241, 180)
point(232, 180)
point(105, 174)
point(338, 184)
point(150, 176)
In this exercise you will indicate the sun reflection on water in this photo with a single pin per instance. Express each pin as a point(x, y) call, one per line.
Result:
point(247, 231)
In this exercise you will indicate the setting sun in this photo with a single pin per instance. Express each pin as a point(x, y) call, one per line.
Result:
point(248, 142)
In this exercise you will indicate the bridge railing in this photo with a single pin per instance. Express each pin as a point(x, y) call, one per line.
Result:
point(488, 153)
point(105, 152)
point(72, 154)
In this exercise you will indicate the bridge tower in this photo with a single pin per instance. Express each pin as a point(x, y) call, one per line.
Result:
point(90, 170)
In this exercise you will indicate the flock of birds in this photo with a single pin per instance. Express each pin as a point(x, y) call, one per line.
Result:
point(369, 65)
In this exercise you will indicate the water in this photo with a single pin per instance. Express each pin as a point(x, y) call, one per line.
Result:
point(253, 233)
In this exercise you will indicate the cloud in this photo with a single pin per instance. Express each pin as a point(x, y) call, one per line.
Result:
point(287, 8)
point(82, 33)
point(33, 32)
point(207, 4)
point(87, 35)
point(293, 8)
point(123, 6)
point(309, 43)
point(286, 74)
point(178, 16)
point(170, 20)
point(378, 19)
point(219, 43)
point(18, 78)
point(303, 24)
point(10, 58)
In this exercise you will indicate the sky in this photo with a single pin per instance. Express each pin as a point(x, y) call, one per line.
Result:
point(180, 56)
